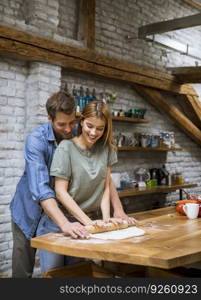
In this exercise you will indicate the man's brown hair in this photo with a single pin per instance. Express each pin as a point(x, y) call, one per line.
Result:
point(60, 102)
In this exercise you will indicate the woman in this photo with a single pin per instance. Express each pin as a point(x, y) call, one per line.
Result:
point(81, 167)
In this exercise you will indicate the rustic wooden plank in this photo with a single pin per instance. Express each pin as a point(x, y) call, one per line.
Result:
point(187, 74)
point(153, 190)
point(84, 54)
point(156, 98)
point(32, 53)
point(170, 25)
point(170, 240)
point(17, 43)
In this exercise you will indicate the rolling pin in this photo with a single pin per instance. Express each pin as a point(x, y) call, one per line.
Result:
point(110, 227)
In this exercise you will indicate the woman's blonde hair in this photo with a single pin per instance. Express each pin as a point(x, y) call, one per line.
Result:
point(100, 110)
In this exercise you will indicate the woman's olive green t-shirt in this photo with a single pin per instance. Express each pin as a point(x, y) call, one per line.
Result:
point(85, 169)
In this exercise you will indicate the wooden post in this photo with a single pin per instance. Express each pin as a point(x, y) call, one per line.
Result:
point(87, 22)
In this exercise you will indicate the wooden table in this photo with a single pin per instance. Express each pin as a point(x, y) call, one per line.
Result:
point(170, 241)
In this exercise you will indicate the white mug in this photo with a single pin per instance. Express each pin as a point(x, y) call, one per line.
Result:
point(191, 210)
point(116, 177)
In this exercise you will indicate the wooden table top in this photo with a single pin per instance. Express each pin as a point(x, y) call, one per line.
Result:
point(171, 240)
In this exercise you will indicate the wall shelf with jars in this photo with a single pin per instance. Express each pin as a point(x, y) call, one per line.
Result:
point(123, 119)
point(154, 190)
point(163, 142)
point(130, 148)
point(129, 119)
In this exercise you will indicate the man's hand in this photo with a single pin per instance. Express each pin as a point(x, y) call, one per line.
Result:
point(75, 230)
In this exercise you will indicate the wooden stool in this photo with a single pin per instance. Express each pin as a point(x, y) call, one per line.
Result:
point(82, 269)
point(180, 272)
point(124, 270)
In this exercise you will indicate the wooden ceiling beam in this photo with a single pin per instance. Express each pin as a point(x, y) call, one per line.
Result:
point(156, 98)
point(170, 25)
point(30, 47)
point(187, 74)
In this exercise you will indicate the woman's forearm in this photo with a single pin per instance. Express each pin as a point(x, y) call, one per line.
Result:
point(68, 202)
point(105, 203)
point(114, 197)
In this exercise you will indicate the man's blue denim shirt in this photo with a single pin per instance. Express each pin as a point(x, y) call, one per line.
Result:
point(35, 183)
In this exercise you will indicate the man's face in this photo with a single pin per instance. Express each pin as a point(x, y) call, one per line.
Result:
point(63, 125)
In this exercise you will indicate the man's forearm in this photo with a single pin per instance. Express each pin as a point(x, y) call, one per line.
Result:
point(74, 229)
point(51, 208)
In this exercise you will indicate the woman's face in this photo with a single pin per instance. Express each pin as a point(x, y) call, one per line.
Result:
point(92, 130)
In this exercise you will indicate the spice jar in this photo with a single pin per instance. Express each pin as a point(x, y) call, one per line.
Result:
point(179, 178)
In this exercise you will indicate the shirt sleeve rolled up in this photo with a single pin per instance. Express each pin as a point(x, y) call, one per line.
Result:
point(36, 169)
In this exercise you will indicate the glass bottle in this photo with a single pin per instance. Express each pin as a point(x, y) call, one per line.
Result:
point(94, 98)
point(87, 97)
point(81, 96)
point(76, 99)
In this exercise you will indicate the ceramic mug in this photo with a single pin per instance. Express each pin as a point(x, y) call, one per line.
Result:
point(191, 210)
point(145, 140)
point(116, 177)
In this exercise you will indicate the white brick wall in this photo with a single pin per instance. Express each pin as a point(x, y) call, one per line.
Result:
point(43, 80)
point(25, 87)
point(118, 19)
point(12, 110)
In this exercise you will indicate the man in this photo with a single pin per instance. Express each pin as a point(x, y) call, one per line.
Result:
point(34, 193)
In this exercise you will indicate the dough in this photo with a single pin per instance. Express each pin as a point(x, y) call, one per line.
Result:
point(119, 234)
point(110, 226)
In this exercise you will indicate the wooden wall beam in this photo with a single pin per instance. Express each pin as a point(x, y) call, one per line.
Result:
point(87, 11)
point(30, 47)
point(156, 98)
point(191, 106)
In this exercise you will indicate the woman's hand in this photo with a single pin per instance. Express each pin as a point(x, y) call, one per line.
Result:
point(115, 221)
point(100, 223)
point(125, 217)
point(75, 230)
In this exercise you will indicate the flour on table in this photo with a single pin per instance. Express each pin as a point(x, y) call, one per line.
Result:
point(119, 234)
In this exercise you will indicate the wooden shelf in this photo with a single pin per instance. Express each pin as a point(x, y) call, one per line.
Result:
point(153, 190)
point(122, 119)
point(131, 120)
point(130, 148)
